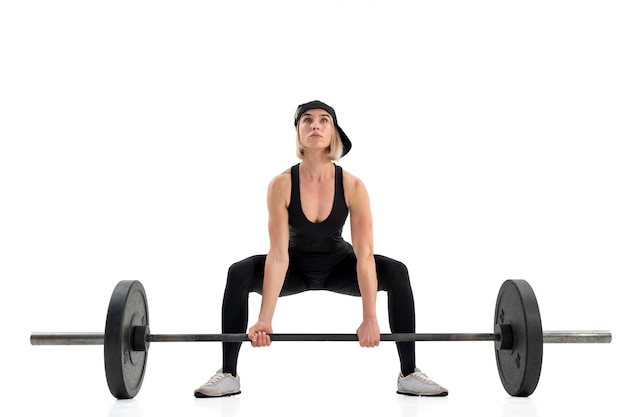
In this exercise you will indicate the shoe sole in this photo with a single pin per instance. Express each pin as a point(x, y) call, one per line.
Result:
point(412, 394)
point(201, 395)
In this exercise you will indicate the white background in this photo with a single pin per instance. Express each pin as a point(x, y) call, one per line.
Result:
point(138, 139)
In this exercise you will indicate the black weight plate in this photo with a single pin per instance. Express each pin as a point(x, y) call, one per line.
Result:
point(124, 366)
point(520, 367)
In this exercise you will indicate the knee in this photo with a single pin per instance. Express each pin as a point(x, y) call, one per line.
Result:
point(393, 274)
point(243, 275)
point(237, 273)
point(236, 270)
point(401, 270)
point(397, 269)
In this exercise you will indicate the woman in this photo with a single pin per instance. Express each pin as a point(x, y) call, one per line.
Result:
point(308, 205)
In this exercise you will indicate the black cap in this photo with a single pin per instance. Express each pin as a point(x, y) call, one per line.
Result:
point(316, 104)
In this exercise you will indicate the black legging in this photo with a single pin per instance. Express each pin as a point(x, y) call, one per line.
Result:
point(247, 276)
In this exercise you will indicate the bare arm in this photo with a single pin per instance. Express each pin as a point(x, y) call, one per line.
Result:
point(277, 258)
point(363, 243)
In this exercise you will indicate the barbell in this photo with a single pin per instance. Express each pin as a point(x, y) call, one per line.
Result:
point(517, 335)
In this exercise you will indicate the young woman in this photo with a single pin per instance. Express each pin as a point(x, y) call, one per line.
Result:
point(308, 206)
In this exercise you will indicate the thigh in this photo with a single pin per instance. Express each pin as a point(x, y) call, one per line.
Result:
point(246, 275)
point(391, 275)
point(343, 279)
point(249, 273)
point(294, 282)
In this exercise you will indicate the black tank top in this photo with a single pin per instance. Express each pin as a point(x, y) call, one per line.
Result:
point(317, 247)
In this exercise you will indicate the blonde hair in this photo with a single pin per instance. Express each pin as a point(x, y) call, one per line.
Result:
point(335, 150)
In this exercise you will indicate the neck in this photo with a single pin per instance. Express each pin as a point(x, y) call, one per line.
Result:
point(317, 168)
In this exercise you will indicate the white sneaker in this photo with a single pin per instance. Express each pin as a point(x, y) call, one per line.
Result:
point(220, 385)
point(419, 384)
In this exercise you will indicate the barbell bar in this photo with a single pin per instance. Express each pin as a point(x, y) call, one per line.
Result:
point(87, 338)
point(518, 338)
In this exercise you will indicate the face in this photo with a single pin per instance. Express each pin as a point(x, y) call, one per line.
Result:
point(315, 129)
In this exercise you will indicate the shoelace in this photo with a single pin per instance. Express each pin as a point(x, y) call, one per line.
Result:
point(423, 377)
point(215, 379)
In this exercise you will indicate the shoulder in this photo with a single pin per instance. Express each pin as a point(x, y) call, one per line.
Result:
point(351, 181)
point(281, 180)
point(280, 186)
point(354, 188)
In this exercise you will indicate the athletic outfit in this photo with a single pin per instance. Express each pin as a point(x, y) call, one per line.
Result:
point(319, 259)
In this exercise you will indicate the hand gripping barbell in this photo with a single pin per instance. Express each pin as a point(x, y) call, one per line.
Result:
point(518, 338)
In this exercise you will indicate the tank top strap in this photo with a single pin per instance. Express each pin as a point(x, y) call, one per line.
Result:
point(295, 187)
point(339, 194)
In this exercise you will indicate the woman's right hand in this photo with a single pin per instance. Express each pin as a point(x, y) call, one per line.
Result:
point(259, 334)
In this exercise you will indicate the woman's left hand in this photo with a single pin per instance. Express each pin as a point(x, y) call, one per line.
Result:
point(369, 333)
